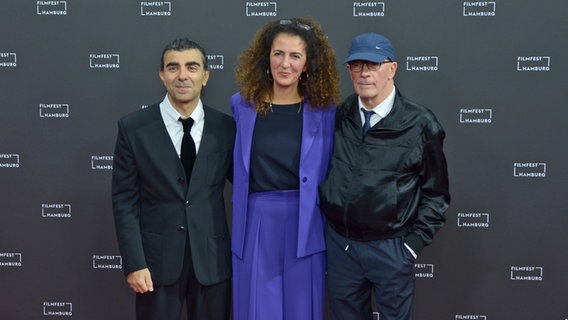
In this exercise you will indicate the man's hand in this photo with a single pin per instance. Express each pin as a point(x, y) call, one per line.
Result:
point(140, 281)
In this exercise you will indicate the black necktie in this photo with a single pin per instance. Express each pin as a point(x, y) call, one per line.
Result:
point(367, 124)
point(187, 148)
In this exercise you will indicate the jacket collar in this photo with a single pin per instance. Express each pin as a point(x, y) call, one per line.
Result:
point(311, 118)
point(397, 119)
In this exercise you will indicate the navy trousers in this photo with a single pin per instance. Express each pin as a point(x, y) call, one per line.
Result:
point(383, 268)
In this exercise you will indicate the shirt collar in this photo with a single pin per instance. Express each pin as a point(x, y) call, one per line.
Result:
point(383, 108)
point(171, 115)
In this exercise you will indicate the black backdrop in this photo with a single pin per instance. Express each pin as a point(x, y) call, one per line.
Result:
point(494, 73)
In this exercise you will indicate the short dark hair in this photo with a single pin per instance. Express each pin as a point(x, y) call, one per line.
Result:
point(181, 45)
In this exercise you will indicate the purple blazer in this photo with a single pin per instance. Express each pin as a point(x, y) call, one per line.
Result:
point(316, 149)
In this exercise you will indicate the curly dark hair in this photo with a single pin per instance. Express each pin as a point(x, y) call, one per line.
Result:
point(321, 88)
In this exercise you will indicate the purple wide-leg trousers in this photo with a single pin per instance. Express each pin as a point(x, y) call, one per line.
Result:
point(271, 282)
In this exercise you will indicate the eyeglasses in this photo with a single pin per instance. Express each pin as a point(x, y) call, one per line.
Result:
point(357, 66)
point(294, 22)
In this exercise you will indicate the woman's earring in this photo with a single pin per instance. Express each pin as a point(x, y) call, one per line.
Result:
point(304, 81)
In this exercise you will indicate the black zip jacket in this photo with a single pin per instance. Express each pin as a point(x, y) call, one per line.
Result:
point(391, 183)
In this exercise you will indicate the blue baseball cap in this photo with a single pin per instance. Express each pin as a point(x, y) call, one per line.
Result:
point(370, 47)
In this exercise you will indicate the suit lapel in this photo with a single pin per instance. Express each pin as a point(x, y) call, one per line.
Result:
point(311, 125)
point(161, 139)
point(208, 129)
point(207, 144)
point(246, 126)
point(199, 173)
point(163, 149)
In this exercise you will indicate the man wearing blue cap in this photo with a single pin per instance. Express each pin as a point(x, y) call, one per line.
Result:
point(386, 192)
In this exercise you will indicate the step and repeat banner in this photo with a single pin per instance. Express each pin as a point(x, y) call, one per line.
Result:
point(494, 72)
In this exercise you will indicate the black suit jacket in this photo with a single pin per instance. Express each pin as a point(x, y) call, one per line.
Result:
point(155, 210)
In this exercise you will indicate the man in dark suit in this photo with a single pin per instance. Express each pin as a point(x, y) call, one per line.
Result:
point(169, 211)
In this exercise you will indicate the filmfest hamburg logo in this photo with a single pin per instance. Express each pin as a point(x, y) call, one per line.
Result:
point(104, 61)
point(101, 162)
point(529, 169)
point(107, 262)
point(368, 9)
point(10, 259)
point(261, 9)
point(56, 210)
point(8, 59)
point(533, 63)
point(422, 63)
point(476, 115)
point(479, 8)
point(473, 220)
point(52, 8)
point(526, 273)
point(424, 270)
point(9, 160)
point(58, 309)
point(54, 110)
point(216, 61)
point(156, 8)
point(470, 317)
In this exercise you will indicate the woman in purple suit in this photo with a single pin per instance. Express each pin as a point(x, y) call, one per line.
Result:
point(289, 87)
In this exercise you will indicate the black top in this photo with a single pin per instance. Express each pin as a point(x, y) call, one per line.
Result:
point(275, 151)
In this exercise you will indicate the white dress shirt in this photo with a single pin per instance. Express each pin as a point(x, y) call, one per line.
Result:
point(175, 127)
point(379, 111)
